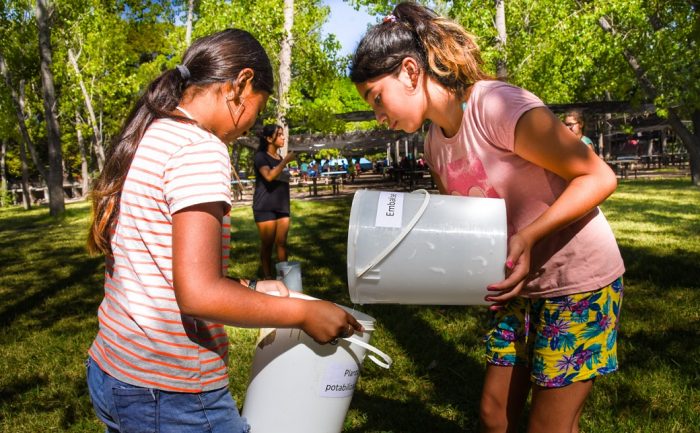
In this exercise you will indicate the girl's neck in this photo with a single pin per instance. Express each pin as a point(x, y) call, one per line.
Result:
point(193, 117)
point(449, 111)
point(272, 153)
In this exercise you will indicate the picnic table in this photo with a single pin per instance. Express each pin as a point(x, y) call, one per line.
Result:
point(623, 165)
point(39, 193)
point(664, 160)
point(332, 178)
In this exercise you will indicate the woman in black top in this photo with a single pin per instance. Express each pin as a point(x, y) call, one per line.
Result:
point(271, 198)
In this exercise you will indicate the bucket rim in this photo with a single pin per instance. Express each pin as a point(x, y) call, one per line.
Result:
point(363, 319)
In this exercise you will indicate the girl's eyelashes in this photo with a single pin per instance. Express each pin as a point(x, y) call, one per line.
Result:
point(377, 100)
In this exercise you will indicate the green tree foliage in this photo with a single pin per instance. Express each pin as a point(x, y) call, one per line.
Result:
point(19, 48)
point(115, 68)
point(121, 46)
point(316, 65)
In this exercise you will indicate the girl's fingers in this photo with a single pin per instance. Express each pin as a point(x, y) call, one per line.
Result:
point(282, 288)
point(513, 279)
point(507, 295)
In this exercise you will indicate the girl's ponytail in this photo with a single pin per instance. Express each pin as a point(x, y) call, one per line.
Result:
point(446, 51)
point(161, 98)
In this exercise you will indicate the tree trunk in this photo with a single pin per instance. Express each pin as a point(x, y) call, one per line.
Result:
point(285, 71)
point(690, 141)
point(26, 197)
point(84, 171)
point(190, 18)
point(92, 120)
point(55, 180)
point(27, 114)
point(235, 157)
point(664, 141)
point(3, 177)
point(18, 105)
point(502, 69)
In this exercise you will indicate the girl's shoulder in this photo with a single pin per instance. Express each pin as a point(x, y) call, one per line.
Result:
point(498, 89)
point(500, 99)
point(180, 132)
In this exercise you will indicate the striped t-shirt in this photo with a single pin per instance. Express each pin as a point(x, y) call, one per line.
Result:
point(143, 337)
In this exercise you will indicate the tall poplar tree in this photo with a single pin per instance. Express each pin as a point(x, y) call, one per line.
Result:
point(55, 179)
point(285, 71)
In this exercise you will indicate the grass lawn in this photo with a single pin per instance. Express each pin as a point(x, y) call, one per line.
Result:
point(50, 289)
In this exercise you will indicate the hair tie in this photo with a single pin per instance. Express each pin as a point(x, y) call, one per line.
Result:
point(391, 18)
point(184, 72)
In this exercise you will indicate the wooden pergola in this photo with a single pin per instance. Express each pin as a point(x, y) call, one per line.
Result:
point(607, 115)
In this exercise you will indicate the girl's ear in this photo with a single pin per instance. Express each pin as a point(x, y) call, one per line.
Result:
point(411, 69)
point(236, 89)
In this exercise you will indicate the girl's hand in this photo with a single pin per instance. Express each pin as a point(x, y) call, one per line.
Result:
point(289, 157)
point(267, 286)
point(325, 322)
point(517, 269)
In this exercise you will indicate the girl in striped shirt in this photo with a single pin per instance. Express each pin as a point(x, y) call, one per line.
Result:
point(161, 218)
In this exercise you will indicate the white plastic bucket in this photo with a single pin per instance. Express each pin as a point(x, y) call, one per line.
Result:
point(290, 273)
point(417, 248)
point(300, 386)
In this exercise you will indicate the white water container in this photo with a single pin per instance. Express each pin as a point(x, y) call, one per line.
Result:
point(300, 386)
point(417, 248)
point(290, 273)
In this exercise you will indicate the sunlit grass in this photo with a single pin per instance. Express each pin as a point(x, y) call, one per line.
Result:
point(50, 289)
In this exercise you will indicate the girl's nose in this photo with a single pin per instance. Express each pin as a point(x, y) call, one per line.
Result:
point(381, 118)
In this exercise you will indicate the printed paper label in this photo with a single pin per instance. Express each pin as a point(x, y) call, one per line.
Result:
point(339, 380)
point(389, 209)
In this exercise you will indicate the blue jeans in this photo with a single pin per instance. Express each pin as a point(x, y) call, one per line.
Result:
point(126, 408)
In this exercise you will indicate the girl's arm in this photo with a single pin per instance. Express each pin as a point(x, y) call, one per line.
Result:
point(202, 291)
point(541, 138)
point(271, 174)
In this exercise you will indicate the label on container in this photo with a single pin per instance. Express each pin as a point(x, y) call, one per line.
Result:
point(339, 380)
point(389, 209)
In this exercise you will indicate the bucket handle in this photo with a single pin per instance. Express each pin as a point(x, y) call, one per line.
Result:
point(387, 359)
point(379, 257)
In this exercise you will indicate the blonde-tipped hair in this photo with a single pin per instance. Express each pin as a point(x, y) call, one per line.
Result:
point(444, 48)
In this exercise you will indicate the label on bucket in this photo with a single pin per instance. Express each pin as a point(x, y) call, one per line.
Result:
point(389, 209)
point(339, 380)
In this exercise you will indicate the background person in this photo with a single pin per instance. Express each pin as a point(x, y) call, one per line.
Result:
point(575, 122)
point(271, 198)
point(556, 313)
point(161, 217)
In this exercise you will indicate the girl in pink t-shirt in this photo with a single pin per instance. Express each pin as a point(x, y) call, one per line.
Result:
point(556, 312)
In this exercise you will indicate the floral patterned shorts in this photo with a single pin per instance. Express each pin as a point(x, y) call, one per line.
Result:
point(562, 340)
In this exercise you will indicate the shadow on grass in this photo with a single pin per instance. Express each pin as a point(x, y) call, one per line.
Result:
point(456, 379)
point(386, 415)
point(677, 268)
point(81, 272)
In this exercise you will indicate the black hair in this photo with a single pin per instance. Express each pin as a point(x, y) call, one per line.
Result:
point(268, 131)
point(213, 59)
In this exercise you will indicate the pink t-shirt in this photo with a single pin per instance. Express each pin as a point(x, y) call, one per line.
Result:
point(479, 161)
